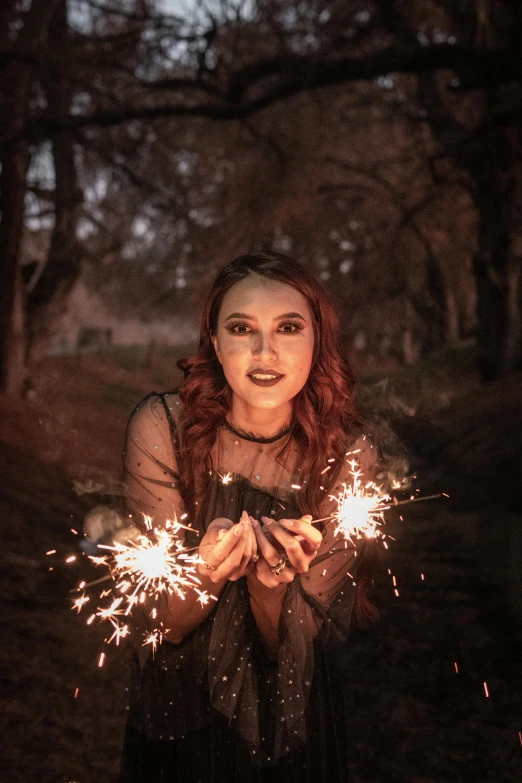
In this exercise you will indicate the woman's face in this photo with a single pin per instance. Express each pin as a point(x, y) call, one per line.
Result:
point(264, 327)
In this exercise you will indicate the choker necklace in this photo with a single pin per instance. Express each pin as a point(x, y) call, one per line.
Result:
point(257, 439)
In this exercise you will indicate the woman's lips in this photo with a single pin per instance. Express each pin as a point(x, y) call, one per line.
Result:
point(266, 383)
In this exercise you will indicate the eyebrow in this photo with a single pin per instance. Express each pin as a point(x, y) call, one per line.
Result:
point(253, 318)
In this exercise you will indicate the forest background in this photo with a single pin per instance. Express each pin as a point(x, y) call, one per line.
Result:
point(143, 144)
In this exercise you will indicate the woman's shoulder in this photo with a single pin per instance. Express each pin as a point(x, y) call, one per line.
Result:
point(158, 407)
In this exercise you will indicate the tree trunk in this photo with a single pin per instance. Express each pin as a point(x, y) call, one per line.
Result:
point(15, 161)
point(15, 157)
point(61, 271)
point(498, 263)
point(492, 160)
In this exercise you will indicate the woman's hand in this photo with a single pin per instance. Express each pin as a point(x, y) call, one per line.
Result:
point(228, 547)
point(298, 547)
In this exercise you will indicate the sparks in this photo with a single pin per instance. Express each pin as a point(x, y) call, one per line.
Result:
point(360, 508)
point(139, 572)
point(154, 638)
point(79, 602)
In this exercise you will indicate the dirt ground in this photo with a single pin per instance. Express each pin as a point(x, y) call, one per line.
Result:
point(435, 684)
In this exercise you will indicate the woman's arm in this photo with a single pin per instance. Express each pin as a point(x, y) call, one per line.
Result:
point(151, 489)
point(229, 548)
point(183, 616)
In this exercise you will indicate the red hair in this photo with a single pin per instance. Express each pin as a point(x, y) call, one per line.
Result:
point(324, 417)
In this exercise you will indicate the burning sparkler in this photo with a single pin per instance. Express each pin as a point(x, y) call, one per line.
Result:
point(360, 508)
point(141, 569)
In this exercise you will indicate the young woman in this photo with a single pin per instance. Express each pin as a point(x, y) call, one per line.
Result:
point(250, 688)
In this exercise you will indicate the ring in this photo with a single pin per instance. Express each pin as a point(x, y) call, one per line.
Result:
point(278, 567)
point(254, 558)
point(208, 566)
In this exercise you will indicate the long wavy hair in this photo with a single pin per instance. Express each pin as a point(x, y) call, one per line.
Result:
point(324, 418)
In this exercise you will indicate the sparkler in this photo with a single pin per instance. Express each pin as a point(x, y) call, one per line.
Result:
point(142, 569)
point(360, 508)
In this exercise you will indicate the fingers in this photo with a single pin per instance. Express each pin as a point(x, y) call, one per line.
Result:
point(295, 552)
point(303, 528)
point(238, 558)
point(271, 580)
point(229, 540)
point(265, 548)
point(232, 562)
point(246, 560)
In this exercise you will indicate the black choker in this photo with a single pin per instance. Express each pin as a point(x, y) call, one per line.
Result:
point(250, 436)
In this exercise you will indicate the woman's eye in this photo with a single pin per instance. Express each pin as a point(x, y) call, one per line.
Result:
point(289, 328)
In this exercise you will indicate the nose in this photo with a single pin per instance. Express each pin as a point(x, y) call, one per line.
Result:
point(263, 346)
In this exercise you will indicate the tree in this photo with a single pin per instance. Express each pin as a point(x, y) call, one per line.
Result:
point(125, 70)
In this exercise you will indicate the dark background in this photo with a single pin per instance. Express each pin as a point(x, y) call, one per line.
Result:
point(143, 144)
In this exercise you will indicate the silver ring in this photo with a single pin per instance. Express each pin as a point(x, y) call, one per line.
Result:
point(254, 558)
point(278, 567)
point(208, 566)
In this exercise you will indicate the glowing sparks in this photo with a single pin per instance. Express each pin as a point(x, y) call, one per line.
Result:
point(79, 602)
point(139, 571)
point(227, 478)
point(154, 638)
point(486, 691)
point(156, 564)
point(101, 659)
point(360, 508)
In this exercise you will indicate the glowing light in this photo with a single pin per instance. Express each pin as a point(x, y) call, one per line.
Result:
point(139, 572)
point(79, 602)
point(360, 508)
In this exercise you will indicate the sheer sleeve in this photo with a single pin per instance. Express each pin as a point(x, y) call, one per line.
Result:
point(150, 464)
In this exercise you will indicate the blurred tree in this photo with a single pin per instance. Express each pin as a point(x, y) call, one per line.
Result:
point(195, 135)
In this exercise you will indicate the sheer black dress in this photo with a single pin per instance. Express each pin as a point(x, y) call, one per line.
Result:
point(216, 708)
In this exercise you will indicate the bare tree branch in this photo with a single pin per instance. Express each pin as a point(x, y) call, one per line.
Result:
point(293, 74)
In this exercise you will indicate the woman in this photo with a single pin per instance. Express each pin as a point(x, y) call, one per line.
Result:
point(249, 688)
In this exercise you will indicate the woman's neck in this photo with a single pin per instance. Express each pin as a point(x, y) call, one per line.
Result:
point(263, 423)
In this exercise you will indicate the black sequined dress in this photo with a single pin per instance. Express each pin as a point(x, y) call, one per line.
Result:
point(216, 708)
